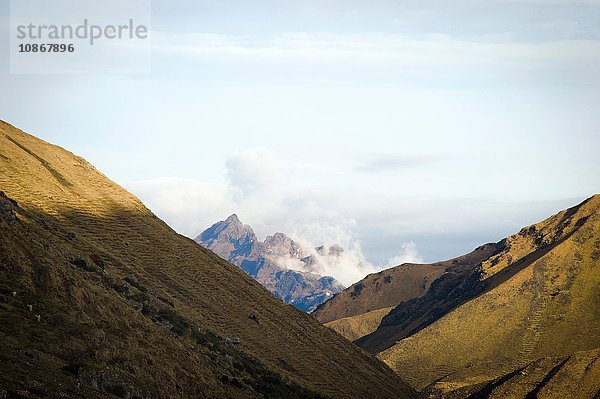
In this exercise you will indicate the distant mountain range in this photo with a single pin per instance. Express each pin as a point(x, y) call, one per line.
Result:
point(269, 262)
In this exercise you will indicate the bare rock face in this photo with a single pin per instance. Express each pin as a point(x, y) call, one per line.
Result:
point(229, 238)
point(268, 262)
point(281, 245)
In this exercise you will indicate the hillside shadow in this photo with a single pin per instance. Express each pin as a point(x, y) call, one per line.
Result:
point(102, 273)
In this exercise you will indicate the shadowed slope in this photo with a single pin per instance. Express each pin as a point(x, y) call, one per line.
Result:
point(127, 306)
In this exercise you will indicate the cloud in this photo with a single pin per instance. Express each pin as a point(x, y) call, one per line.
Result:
point(251, 172)
point(386, 162)
point(255, 190)
point(185, 204)
point(377, 229)
point(348, 266)
point(409, 254)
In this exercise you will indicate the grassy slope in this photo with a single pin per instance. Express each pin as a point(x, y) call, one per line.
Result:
point(350, 314)
point(354, 327)
point(80, 239)
point(458, 284)
point(542, 299)
point(575, 376)
point(379, 290)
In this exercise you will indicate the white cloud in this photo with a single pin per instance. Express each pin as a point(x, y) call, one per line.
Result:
point(409, 254)
point(252, 172)
point(185, 204)
point(255, 191)
point(348, 266)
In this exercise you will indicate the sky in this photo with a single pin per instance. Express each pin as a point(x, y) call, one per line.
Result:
point(402, 130)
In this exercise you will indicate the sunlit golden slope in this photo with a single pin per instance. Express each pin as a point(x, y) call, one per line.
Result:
point(574, 376)
point(94, 288)
point(539, 298)
point(354, 327)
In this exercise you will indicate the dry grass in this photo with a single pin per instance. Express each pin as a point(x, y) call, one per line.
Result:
point(354, 327)
point(380, 290)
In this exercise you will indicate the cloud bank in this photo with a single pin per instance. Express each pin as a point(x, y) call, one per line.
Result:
point(256, 190)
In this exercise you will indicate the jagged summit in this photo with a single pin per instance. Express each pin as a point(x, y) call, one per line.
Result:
point(230, 228)
point(229, 238)
point(233, 218)
point(270, 261)
point(281, 245)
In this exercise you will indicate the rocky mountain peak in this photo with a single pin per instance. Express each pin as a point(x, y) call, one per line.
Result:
point(228, 236)
point(233, 219)
point(281, 245)
point(273, 262)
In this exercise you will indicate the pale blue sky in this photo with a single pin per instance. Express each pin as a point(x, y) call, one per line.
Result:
point(378, 123)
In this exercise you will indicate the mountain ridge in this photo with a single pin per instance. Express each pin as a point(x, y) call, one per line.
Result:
point(520, 320)
point(465, 284)
point(266, 260)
